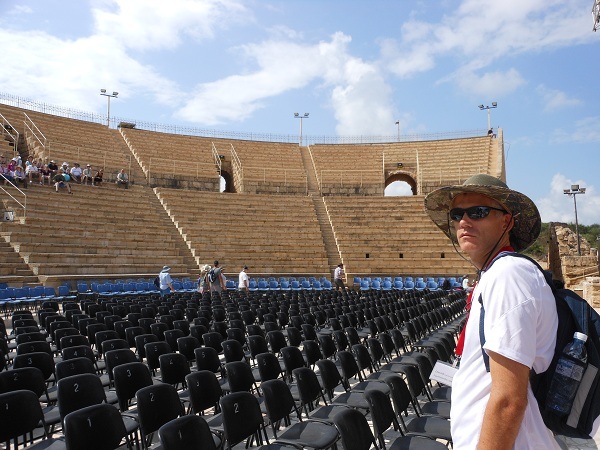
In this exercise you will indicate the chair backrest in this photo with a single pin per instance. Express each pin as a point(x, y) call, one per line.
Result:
point(240, 376)
point(28, 378)
point(354, 429)
point(292, 359)
point(74, 366)
point(188, 431)
point(268, 366)
point(41, 360)
point(128, 379)
point(205, 390)
point(114, 358)
point(78, 391)
point(207, 358)
point(157, 404)
point(20, 413)
point(309, 388)
point(330, 376)
point(96, 427)
point(382, 413)
point(232, 350)
point(173, 368)
point(278, 400)
point(153, 351)
point(241, 417)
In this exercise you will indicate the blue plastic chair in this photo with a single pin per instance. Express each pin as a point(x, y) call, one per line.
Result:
point(398, 285)
point(306, 286)
point(365, 285)
point(263, 285)
point(376, 285)
point(296, 285)
point(356, 281)
point(420, 285)
point(317, 286)
point(409, 284)
point(432, 285)
point(274, 285)
point(327, 285)
point(252, 286)
point(285, 285)
point(387, 285)
point(230, 285)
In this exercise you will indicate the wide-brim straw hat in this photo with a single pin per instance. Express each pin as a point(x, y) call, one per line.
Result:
point(527, 220)
point(205, 268)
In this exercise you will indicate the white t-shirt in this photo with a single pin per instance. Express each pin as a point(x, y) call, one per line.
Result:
point(520, 324)
point(243, 280)
point(338, 273)
point(165, 279)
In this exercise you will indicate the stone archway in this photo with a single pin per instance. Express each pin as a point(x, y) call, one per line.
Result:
point(404, 177)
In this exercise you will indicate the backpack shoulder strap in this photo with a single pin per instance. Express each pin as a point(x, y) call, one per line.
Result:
point(577, 307)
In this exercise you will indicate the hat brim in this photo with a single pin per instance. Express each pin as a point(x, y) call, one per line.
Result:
point(527, 220)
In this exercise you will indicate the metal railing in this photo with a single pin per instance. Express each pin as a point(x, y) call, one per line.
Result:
point(33, 105)
point(216, 157)
point(31, 129)
point(173, 167)
point(238, 169)
point(8, 128)
point(17, 201)
point(349, 177)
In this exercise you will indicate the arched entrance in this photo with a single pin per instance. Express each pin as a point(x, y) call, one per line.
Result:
point(400, 184)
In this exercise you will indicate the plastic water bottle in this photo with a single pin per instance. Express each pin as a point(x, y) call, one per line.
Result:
point(567, 376)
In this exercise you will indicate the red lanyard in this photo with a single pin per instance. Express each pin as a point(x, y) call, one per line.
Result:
point(460, 343)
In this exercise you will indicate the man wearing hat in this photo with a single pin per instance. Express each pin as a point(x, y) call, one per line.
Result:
point(88, 175)
point(244, 281)
point(496, 408)
point(165, 281)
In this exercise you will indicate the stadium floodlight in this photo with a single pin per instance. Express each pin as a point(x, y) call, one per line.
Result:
point(108, 97)
point(494, 105)
point(398, 125)
point(575, 189)
point(301, 117)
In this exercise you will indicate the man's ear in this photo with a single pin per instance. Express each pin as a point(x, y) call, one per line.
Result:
point(509, 222)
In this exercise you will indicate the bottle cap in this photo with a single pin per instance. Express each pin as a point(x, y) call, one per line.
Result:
point(580, 336)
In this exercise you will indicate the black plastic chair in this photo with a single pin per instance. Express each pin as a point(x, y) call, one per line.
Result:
point(242, 418)
point(383, 417)
point(20, 414)
point(355, 433)
point(128, 379)
point(280, 404)
point(156, 405)
point(114, 358)
point(95, 427)
point(186, 346)
point(174, 368)
point(187, 432)
point(153, 351)
point(292, 359)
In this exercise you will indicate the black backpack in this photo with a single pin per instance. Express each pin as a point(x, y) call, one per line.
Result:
point(574, 314)
point(157, 282)
point(213, 274)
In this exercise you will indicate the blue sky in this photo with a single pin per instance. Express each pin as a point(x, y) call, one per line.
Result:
point(356, 66)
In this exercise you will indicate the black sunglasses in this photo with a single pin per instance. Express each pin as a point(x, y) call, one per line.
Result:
point(474, 212)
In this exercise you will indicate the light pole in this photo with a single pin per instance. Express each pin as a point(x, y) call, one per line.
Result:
point(575, 189)
point(298, 116)
point(108, 97)
point(494, 105)
point(398, 124)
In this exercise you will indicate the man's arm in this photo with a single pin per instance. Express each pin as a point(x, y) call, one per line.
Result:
point(507, 403)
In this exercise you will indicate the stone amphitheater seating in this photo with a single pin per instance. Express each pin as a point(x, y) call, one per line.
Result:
point(349, 169)
point(73, 140)
point(109, 231)
point(270, 234)
point(96, 231)
point(395, 233)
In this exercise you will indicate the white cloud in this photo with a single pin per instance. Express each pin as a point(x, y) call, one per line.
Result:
point(358, 93)
point(156, 24)
point(496, 83)
point(554, 99)
point(584, 131)
point(558, 207)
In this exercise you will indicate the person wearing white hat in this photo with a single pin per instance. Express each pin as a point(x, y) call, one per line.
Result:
point(493, 404)
point(165, 281)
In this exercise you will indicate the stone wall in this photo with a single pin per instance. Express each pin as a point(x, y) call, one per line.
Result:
point(591, 291)
point(563, 258)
